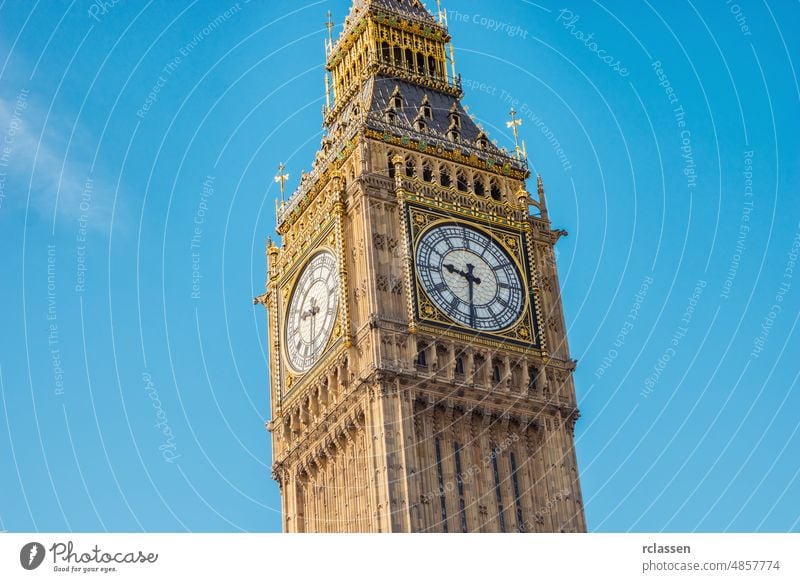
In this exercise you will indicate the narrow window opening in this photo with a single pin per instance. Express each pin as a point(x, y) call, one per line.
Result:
point(517, 500)
point(420, 63)
point(533, 374)
point(496, 373)
point(497, 493)
point(422, 358)
point(441, 484)
point(495, 190)
point(462, 506)
point(444, 178)
point(461, 181)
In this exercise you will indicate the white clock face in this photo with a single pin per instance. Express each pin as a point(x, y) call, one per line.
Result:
point(470, 277)
point(312, 311)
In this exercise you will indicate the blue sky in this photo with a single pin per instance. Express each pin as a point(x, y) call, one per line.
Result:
point(139, 145)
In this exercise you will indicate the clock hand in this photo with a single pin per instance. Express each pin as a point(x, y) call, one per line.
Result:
point(472, 280)
point(471, 303)
point(469, 276)
point(311, 337)
point(451, 269)
point(312, 311)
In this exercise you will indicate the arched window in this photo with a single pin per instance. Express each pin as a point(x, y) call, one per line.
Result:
point(459, 366)
point(385, 52)
point(480, 190)
point(398, 56)
point(496, 193)
point(533, 374)
point(461, 182)
point(444, 177)
point(432, 67)
point(410, 168)
point(427, 172)
point(496, 373)
point(420, 63)
point(409, 64)
point(422, 358)
point(390, 164)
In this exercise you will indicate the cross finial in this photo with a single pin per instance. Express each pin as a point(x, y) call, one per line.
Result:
point(513, 125)
point(281, 179)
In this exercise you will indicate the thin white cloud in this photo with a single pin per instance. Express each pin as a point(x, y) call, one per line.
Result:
point(39, 172)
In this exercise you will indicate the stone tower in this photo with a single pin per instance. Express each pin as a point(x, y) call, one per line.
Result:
point(420, 375)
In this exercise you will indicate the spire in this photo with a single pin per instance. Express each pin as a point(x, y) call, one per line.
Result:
point(542, 199)
point(329, 25)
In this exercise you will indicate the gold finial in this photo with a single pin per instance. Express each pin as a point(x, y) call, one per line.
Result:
point(513, 125)
point(281, 179)
point(441, 14)
point(327, 91)
point(329, 26)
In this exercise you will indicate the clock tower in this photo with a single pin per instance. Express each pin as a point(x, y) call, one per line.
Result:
point(419, 369)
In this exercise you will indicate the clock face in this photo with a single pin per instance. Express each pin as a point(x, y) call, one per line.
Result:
point(470, 277)
point(312, 311)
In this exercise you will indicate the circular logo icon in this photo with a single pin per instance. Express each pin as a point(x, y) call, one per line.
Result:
point(32, 555)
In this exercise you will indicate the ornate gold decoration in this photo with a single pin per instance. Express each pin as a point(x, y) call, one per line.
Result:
point(455, 155)
point(515, 242)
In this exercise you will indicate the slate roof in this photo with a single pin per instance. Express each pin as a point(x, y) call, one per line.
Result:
point(378, 92)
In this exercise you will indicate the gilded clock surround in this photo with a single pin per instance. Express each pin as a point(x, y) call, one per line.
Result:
point(398, 397)
point(427, 316)
point(329, 240)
